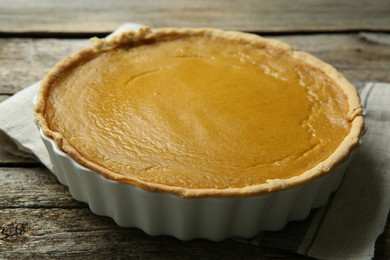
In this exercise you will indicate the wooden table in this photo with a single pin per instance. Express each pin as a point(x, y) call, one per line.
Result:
point(37, 215)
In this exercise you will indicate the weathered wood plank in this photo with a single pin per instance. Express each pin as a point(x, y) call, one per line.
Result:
point(249, 15)
point(360, 58)
point(77, 233)
point(33, 188)
point(25, 61)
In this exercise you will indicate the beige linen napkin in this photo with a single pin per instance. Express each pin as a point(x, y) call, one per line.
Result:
point(346, 228)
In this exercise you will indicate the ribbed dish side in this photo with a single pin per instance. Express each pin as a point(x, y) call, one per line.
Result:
point(215, 219)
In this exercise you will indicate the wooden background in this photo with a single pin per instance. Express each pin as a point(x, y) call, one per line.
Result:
point(38, 218)
point(279, 16)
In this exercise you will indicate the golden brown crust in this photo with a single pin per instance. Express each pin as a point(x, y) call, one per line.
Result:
point(355, 113)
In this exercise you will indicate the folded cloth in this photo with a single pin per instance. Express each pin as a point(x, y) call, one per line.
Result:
point(18, 132)
point(345, 228)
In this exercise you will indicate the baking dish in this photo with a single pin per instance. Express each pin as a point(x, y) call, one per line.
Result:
point(158, 213)
point(187, 212)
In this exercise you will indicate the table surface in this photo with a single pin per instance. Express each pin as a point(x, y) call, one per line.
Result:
point(39, 218)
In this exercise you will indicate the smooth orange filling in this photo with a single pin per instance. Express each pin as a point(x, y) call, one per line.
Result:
point(199, 112)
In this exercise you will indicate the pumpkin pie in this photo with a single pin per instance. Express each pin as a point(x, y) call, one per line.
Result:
point(200, 112)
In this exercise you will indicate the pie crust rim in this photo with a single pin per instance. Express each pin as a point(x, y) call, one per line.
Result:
point(351, 141)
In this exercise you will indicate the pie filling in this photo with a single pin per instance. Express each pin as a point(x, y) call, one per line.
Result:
point(199, 112)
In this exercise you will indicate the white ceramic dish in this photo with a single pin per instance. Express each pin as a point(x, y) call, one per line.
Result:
point(215, 219)
point(158, 213)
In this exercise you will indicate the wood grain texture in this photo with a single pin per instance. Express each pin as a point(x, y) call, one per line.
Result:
point(33, 188)
point(38, 218)
point(78, 234)
point(94, 16)
point(25, 60)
